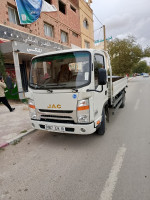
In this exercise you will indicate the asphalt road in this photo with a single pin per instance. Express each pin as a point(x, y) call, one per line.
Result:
point(116, 166)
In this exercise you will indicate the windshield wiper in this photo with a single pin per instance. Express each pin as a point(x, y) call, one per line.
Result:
point(61, 84)
point(56, 84)
point(37, 86)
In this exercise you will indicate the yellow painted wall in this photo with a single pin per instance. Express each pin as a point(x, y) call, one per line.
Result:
point(100, 46)
point(86, 13)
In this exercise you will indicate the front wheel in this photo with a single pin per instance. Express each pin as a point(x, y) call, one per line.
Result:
point(101, 129)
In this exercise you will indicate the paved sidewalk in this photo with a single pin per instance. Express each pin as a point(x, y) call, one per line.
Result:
point(14, 125)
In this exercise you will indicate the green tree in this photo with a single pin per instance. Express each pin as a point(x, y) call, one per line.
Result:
point(124, 55)
point(141, 67)
point(147, 52)
point(2, 67)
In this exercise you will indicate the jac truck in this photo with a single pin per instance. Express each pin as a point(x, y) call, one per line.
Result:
point(71, 91)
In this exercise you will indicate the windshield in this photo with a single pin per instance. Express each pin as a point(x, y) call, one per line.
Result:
point(68, 70)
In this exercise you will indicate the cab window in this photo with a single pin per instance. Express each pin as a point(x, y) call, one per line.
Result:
point(98, 63)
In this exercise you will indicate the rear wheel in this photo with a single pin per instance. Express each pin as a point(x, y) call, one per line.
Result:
point(101, 129)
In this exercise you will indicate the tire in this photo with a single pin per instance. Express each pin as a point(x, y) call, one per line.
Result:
point(101, 129)
point(123, 101)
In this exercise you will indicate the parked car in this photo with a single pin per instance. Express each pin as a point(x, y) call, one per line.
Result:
point(145, 75)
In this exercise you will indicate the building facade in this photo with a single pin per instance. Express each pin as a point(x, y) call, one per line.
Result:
point(99, 46)
point(86, 24)
point(61, 26)
point(51, 32)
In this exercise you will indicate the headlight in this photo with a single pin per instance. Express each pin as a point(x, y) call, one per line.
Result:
point(32, 109)
point(83, 113)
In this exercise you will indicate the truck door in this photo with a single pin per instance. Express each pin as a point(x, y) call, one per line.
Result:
point(100, 98)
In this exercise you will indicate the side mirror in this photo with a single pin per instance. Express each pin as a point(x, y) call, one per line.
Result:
point(102, 77)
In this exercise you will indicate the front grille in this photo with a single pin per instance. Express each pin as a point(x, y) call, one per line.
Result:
point(58, 121)
point(56, 111)
point(55, 116)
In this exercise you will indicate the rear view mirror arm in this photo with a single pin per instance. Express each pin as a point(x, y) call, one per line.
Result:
point(88, 90)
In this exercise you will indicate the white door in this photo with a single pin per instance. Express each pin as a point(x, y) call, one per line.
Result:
point(99, 97)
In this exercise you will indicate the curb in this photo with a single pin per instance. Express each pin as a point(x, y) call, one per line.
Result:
point(18, 137)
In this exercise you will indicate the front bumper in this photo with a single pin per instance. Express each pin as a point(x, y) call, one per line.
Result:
point(80, 129)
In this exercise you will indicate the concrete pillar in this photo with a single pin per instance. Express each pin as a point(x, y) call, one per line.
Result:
point(18, 75)
point(45, 67)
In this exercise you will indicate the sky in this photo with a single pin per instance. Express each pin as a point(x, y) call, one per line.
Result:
point(123, 18)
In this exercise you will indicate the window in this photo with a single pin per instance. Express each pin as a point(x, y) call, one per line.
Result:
point(85, 24)
point(62, 7)
point(74, 34)
point(13, 15)
point(64, 37)
point(49, 30)
point(98, 63)
point(72, 8)
point(87, 44)
point(49, 1)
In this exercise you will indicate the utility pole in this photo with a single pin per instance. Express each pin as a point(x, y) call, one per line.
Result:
point(104, 31)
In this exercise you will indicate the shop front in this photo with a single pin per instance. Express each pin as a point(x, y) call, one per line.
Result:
point(17, 53)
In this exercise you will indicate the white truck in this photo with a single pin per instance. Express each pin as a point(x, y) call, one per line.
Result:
point(70, 91)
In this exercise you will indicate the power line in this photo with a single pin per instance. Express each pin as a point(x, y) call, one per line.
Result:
point(98, 19)
point(98, 29)
point(103, 26)
point(100, 23)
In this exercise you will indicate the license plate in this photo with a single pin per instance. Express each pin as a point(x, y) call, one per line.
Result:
point(55, 128)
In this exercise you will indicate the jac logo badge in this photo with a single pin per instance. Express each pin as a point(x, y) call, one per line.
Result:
point(54, 106)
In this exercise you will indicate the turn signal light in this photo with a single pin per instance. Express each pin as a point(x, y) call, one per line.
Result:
point(83, 108)
point(31, 106)
point(98, 122)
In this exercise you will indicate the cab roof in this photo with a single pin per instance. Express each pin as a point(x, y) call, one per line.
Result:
point(69, 51)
